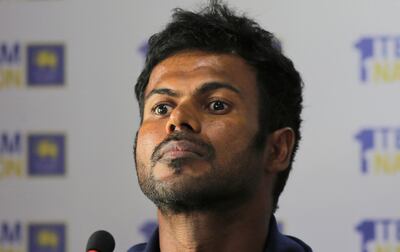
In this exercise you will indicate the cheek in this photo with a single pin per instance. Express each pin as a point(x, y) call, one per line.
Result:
point(149, 136)
point(230, 137)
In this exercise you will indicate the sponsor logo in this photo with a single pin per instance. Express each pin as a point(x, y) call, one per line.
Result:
point(11, 65)
point(379, 150)
point(11, 155)
point(143, 48)
point(41, 154)
point(40, 237)
point(45, 65)
point(379, 235)
point(46, 154)
point(379, 60)
point(46, 237)
point(31, 65)
point(281, 226)
point(11, 237)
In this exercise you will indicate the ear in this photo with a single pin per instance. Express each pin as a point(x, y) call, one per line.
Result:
point(280, 149)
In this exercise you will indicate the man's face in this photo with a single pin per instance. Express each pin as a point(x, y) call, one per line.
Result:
point(195, 147)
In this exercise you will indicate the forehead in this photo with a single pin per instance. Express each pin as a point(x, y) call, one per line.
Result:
point(187, 70)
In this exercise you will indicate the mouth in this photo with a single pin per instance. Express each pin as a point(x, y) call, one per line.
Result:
point(182, 149)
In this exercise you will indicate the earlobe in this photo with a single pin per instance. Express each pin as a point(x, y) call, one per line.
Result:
point(280, 149)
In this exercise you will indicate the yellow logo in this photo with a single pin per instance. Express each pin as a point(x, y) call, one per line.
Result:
point(47, 238)
point(46, 59)
point(46, 148)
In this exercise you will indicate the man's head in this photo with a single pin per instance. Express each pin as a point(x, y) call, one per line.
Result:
point(218, 102)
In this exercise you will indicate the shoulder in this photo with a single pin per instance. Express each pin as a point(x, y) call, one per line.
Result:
point(278, 242)
point(296, 244)
point(138, 248)
point(152, 244)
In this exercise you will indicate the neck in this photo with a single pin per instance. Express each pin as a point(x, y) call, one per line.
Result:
point(243, 228)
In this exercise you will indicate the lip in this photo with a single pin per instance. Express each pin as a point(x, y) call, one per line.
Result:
point(182, 149)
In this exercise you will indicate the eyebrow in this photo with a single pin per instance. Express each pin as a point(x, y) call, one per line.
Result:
point(210, 86)
point(205, 88)
point(162, 91)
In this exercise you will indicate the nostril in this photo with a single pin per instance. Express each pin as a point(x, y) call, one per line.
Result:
point(187, 126)
point(183, 126)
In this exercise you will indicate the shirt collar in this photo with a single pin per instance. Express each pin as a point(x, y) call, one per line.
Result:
point(275, 242)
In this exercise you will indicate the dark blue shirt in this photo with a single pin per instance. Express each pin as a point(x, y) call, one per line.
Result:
point(276, 242)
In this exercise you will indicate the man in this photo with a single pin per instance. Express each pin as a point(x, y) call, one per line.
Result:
point(220, 116)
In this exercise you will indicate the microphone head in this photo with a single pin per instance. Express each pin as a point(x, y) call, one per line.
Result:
point(100, 241)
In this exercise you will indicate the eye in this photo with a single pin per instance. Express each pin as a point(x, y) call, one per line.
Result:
point(162, 109)
point(218, 107)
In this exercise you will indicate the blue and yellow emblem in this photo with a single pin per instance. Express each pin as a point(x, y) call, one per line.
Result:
point(46, 154)
point(47, 237)
point(46, 65)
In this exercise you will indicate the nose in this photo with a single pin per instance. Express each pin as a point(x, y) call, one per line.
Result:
point(184, 117)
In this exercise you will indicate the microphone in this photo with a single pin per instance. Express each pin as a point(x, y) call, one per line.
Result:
point(100, 241)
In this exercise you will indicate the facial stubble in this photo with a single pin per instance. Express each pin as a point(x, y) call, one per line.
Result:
point(222, 186)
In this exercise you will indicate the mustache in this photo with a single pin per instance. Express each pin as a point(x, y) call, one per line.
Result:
point(182, 135)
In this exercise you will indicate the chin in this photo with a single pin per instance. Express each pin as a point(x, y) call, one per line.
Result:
point(180, 168)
